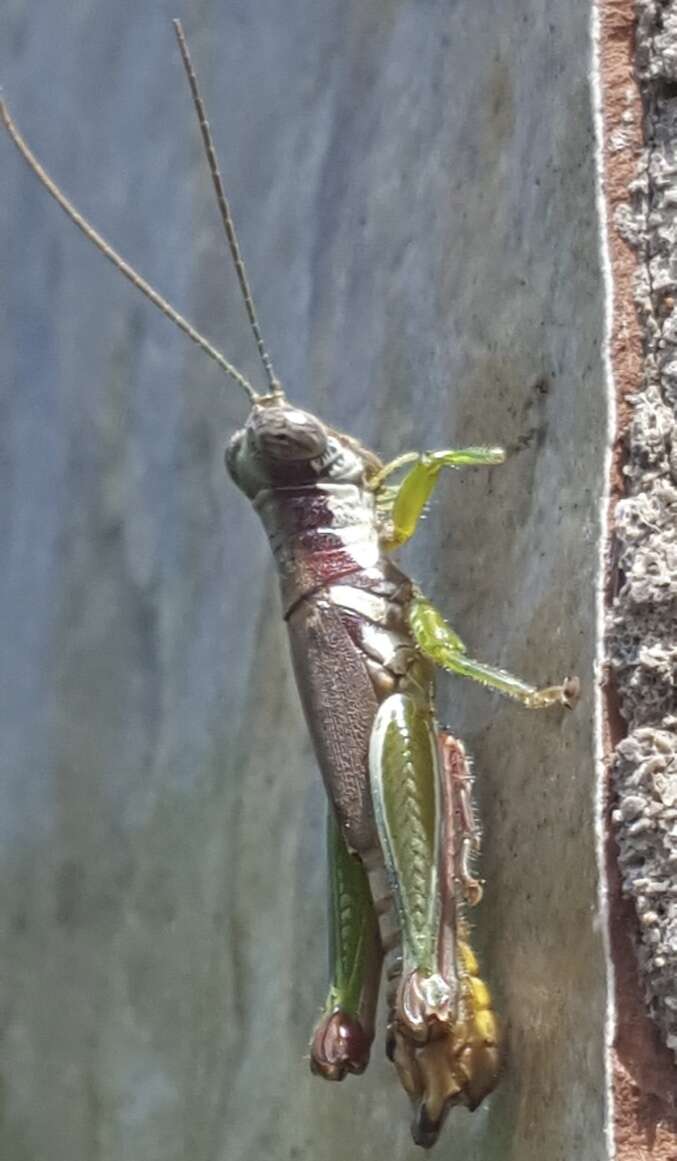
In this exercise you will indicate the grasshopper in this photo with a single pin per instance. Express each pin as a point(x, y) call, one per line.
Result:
point(365, 643)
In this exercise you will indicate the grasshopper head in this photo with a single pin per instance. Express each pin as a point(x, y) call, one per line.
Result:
point(284, 435)
point(283, 446)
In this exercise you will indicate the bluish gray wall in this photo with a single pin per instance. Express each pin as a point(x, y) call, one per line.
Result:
point(414, 186)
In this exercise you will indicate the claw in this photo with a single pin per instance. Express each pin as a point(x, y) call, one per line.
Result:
point(340, 1045)
point(571, 691)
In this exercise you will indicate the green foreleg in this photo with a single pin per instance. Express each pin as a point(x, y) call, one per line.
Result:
point(410, 498)
point(343, 1035)
point(437, 640)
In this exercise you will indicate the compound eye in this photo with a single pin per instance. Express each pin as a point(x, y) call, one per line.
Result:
point(233, 448)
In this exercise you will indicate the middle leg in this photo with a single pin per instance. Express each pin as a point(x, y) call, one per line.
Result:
point(438, 641)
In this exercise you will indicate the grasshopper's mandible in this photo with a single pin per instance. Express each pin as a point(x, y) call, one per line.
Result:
point(365, 643)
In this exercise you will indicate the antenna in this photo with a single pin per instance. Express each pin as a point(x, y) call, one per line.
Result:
point(129, 272)
point(224, 208)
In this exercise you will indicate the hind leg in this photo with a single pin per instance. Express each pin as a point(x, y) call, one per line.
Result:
point(443, 1033)
point(343, 1035)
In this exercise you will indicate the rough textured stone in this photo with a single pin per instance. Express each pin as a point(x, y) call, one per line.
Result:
point(415, 190)
point(643, 638)
point(646, 821)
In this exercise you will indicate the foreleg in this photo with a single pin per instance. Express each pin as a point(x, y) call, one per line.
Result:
point(406, 502)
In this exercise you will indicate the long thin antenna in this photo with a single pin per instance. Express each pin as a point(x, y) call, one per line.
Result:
point(224, 208)
point(119, 262)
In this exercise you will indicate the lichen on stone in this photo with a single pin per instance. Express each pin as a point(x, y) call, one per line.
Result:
point(643, 623)
point(646, 823)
